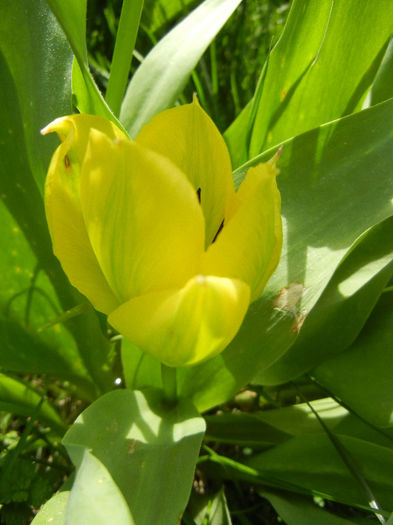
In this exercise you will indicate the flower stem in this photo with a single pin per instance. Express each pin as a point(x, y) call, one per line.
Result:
point(168, 375)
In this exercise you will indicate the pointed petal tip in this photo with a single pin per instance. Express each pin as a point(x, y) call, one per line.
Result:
point(48, 129)
point(56, 126)
point(272, 162)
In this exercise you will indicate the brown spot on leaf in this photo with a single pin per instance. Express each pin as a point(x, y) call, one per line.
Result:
point(288, 300)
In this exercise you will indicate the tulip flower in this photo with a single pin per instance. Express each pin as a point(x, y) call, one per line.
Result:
point(152, 231)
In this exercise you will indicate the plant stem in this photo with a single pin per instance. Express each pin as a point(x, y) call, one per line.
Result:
point(168, 375)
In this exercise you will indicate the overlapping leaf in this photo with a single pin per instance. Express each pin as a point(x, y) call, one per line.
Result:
point(165, 70)
point(324, 181)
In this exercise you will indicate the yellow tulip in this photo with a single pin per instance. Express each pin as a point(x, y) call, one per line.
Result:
point(152, 232)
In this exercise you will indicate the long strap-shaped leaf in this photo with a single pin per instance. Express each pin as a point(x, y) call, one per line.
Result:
point(71, 15)
point(165, 70)
point(122, 55)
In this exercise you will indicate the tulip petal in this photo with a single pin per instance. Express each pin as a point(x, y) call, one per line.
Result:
point(186, 326)
point(249, 245)
point(71, 244)
point(142, 217)
point(189, 138)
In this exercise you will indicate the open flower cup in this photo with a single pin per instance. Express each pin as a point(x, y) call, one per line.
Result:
point(152, 231)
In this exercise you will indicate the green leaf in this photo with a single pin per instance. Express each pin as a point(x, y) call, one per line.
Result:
point(299, 419)
point(163, 73)
point(34, 98)
point(345, 165)
point(26, 30)
point(321, 43)
point(19, 398)
point(369, 391)
point(32, 45)
point(300, 510)
point(243, 429)
point(95, 499)
point(343, 308)
point(311, 462)
point(53, 512)
point(121, 62)
point(141, 442)
point(72, 18)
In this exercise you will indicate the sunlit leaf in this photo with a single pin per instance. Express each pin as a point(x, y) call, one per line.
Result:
point(164, 72)
point(312, 463)
point(324, 182)
point(141, 441)
point(361, 376)
point(343, 308)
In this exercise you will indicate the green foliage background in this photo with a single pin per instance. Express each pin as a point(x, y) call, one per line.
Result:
point(309, 437)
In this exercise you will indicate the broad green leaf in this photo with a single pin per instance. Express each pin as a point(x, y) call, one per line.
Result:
point(345, 165)
point(342, 309)
point(295, 509)
point(34, 98)
point(35, 65)
point(25, 154)
point(266, 428)
point(299, 419)
point(163, 73)
point(311, 462)
point(321, 43)
point(21, 399)
point(361, 376)
point(72, 18)
point(141, 442)
point(53, 512)
point(95, 499)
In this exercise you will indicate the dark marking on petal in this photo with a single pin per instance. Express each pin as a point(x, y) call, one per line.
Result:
point(67, 162)
point(218, 231)
point(199, 194)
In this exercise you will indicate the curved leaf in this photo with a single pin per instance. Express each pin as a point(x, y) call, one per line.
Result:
point(332, 164)
point(164, 72)
point(141, 441)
